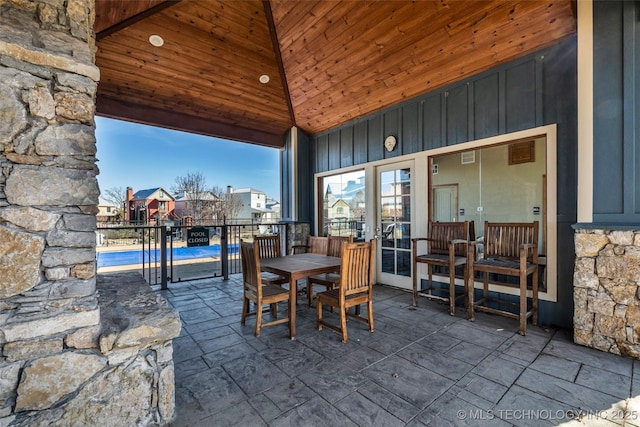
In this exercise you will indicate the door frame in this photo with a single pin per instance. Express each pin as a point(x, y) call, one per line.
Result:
point(404, 282)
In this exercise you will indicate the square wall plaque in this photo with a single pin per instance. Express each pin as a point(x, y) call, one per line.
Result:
point(522, 152)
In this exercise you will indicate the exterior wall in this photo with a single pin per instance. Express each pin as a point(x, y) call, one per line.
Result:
point(607, 284)
point(250, 200)
point(532, 91)
point(107, 213)
point(162, 214)
point(61, 361)
point(245, 205)
point(616, 112)
point(607, 265)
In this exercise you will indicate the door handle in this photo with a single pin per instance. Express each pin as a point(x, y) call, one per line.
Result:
point(377, 235)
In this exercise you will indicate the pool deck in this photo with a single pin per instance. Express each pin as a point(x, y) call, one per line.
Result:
point(421, 367)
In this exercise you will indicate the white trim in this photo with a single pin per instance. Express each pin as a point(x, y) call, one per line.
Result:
point(403, 282)
point(585, 111)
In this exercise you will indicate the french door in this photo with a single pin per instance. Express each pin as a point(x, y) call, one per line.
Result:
point(393, 223)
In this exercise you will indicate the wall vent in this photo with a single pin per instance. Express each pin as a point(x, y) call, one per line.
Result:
point(467, 157)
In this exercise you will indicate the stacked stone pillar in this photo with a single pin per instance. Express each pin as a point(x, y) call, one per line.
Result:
point(607, 289)
point(62, 361)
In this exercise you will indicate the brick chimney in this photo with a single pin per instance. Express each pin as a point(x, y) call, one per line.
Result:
point(127, 205)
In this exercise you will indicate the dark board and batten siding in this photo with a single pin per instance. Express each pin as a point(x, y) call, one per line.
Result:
point(616, 102)
point(532, 91)
point(507, 99)
point(536, 90)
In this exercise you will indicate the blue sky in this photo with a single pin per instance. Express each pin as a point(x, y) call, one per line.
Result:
point(139, 156)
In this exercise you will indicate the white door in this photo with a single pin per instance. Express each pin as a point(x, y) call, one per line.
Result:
point(393, 223)
point(445, 203)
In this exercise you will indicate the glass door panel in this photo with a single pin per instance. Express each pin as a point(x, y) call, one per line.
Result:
point(498, 183)
point(394, 224)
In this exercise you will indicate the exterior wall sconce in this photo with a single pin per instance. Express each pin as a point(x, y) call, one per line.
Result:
point(390, 143)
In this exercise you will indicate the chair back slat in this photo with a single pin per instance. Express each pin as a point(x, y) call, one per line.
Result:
point(251, 268)
point(318, 245)
point(334, 247)
point(503, 239)
point(269, 246)
point(441, 233)
point(356, 267)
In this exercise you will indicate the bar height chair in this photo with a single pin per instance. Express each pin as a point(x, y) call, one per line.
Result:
point(446, 247)
point(510, 248)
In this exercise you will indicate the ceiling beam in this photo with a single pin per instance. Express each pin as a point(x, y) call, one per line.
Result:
point(136, 18)
point(116, 109)
point(276, 49)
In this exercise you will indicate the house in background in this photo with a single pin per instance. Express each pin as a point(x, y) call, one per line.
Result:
point(153, 206)
point(107, 212)
point(344, 201)
point(252, 204)
point(198, 207)
point(340, 209)
point(273, 215)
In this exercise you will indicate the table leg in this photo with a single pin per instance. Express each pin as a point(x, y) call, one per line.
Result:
point(293, 293)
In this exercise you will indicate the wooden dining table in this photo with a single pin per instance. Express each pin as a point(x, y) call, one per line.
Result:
point(294, 268)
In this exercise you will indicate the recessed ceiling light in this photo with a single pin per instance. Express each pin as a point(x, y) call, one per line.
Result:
point(264, 79)
point(156, 40)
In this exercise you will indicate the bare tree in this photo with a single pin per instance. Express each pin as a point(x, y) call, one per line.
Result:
point(198, 199)
point(228, 204)
point(357, 206)
point(117, 196)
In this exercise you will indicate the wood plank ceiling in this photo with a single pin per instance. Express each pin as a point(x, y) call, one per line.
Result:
point(328, 62)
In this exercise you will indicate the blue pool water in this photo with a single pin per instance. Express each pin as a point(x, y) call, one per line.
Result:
point(109, 259)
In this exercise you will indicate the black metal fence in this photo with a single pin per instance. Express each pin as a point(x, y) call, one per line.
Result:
point(344, 227)
point(164, 254)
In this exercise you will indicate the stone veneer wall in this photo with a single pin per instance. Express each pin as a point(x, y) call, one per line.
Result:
point(64, 358)
point(607, 289)
point(297, 234)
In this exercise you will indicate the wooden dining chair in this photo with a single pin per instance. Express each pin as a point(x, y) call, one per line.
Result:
point(269, 247)
point(355, 288)
point(328, 280)
point(316, 245)
point(256, 291)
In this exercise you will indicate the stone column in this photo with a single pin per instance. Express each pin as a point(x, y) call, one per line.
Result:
point(48, 199)
point(69, 354)
point(606, 285)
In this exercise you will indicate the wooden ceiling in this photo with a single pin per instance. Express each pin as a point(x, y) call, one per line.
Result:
point(328, 61)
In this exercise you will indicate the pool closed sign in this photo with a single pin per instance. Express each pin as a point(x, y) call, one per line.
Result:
point(197, 236)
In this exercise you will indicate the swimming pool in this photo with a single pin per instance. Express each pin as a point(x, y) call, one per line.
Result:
point(114, 258)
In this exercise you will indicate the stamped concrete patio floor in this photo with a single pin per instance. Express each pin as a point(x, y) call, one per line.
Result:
point(420, 367)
